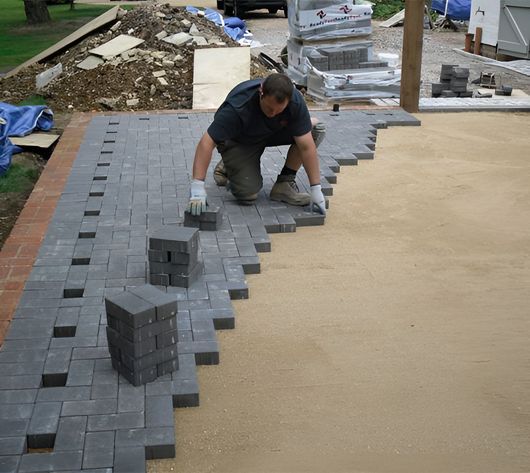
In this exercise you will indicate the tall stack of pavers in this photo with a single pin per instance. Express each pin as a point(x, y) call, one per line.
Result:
point(142, 333)
point(453, 82)
point(174, 256)
point(327, 35)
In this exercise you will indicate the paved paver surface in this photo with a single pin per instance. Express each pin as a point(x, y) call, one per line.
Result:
point(130, 177)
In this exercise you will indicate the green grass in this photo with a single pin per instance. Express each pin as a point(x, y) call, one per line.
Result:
point(33, 100)
point(20, 42)
point(384, 9)
point(18, 178)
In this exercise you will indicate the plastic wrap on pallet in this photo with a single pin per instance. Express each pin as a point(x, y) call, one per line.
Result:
point(299, 78)
point(328, 55)
point(324, 19)
point(383, 82)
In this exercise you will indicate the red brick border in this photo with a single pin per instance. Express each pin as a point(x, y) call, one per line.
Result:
point(22, 246)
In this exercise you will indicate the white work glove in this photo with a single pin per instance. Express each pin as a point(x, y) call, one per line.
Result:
point(197, 203)
point(318, 202)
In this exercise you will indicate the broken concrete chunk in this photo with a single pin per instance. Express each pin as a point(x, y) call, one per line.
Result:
point(163, 81)
point(152, 90)
point(167, 63)
point(194, 31)
point(107, 103)
point(200, 41)
point(124, 55)
point(178, 38)
point(44, 78)
point(90, 62)
point(132, 102)
point(117, 46)
point(185, 23)
point(115, 26)
point(159, 14)
point(177, 58)
point(159, 54)
point(161, 35)
point(159, 73)
point(131, 31)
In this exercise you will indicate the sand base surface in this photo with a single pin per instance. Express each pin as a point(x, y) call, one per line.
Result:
point(395, 338)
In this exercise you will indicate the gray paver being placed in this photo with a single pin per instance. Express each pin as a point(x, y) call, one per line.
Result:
point(57, 385)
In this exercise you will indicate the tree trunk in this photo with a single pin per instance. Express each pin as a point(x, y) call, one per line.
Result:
point(36, 11)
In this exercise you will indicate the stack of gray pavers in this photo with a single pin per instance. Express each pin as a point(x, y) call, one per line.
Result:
point(352, 56)
point(174, 256)
point(142, 333)
point(453, 82)
point(330, 42)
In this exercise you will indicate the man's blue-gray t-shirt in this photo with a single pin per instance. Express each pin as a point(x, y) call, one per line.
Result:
point(240, 118)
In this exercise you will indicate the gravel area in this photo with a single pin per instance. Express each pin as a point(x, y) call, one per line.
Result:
point(438, 49)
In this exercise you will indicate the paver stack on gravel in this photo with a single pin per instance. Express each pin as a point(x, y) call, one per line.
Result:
point(453, 82)
point(66, 364)
point(329, 51)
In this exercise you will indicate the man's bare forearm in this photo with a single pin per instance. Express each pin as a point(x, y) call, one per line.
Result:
point(308, 153)
point(203, 156)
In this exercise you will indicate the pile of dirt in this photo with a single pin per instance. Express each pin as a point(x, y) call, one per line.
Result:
point(156, 75)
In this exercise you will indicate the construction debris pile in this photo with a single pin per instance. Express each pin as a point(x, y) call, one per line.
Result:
point(143, 61)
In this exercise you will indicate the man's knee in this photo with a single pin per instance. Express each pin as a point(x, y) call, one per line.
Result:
point(318, 132)
point(246, 189)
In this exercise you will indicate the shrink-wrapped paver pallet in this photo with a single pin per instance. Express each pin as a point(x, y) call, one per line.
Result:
point(329, 52)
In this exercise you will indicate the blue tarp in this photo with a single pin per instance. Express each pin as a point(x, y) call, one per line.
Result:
point(20, 121)
point(456, 9)
point(233, 26)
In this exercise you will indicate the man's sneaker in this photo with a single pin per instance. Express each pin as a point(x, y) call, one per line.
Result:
point(286, 190)
point(219, 174)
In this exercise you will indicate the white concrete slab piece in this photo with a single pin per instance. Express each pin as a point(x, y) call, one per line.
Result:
point(90, 62)
point(44, 78)
point(216, 71)
point(35, 140)
point(116, 46)
point(178, 38)
point(394, 20)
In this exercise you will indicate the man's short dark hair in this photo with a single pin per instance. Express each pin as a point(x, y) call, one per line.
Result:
point(279, 86)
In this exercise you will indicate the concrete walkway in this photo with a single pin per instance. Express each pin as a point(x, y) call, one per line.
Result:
point(112, 181)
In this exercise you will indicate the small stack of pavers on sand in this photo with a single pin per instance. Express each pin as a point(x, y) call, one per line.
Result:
point(453, 82)
point(156, 75)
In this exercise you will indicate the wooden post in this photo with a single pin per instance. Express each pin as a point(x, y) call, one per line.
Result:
point(478, 40)
point(467, 44)
point(411, 62)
